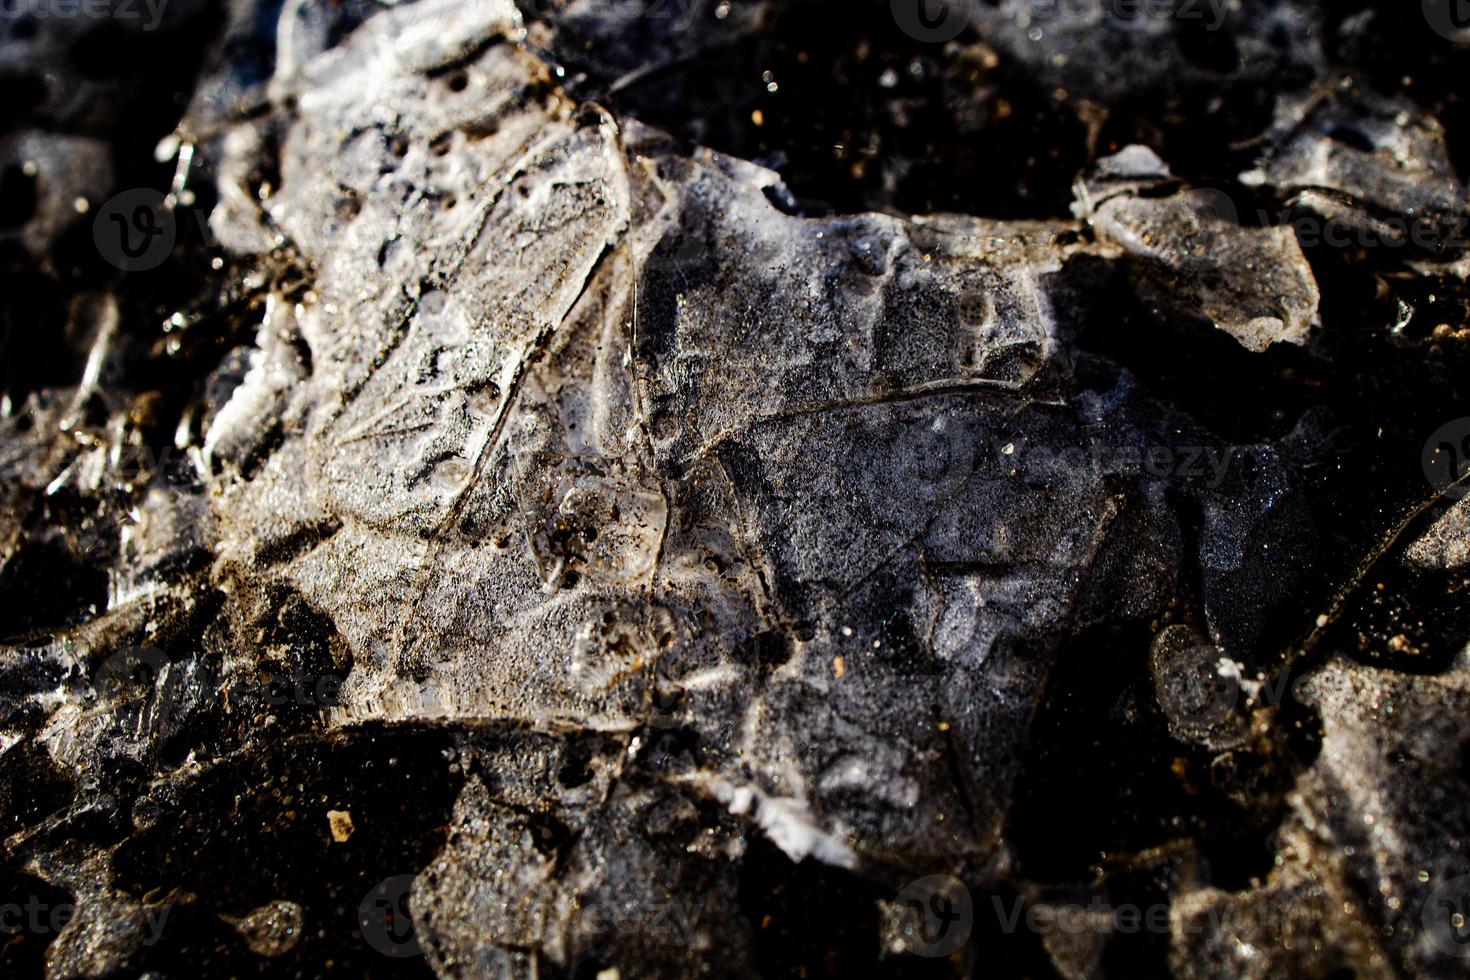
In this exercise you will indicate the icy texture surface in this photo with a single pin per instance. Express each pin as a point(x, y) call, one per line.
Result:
point(556, 530)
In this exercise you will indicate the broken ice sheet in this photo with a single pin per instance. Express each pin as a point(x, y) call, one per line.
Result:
point(716, 554)
point(561, 363)
point(1355, 155)
point(1192, 257)
point(511, 435)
